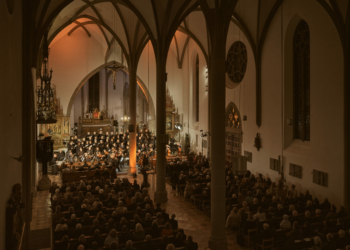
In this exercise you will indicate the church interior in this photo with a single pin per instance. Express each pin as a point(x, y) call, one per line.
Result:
point(175, 124)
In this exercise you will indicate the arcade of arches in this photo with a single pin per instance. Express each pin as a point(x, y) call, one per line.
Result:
point(234, 86)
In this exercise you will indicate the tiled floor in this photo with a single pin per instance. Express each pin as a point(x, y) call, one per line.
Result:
point(193, 221)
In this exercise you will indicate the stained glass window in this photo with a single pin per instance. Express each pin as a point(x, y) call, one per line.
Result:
point(301, 81)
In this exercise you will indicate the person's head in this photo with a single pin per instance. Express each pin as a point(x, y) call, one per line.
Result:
point(138, 227)
point(95, 222)
point(73, 217)
point(97, 233)
point(255, 201)
point(280, 206)
point(266, 226)
point(307, 214)
point(128, 244)
point(125, 229)
point(82, 238)
point(113, 233)
point(81, 247)
point(285, 217)
point(329, 237)
point(78, 226)
point(317, 241)
point(155, 224)
point(173, 216)
point(296, 225)
point(341, 233)
point(170, 247)
point(123, 220)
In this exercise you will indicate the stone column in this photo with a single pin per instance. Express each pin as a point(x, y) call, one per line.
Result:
point(217, 89)
point(132, 121)
point(160, 195)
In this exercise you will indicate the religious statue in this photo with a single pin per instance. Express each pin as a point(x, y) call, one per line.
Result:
point(96, 114)
point(257, 141)
point(14, 220)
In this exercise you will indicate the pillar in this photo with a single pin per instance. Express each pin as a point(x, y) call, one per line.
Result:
point(132, 121)
point(217, 89)
point(160, 195)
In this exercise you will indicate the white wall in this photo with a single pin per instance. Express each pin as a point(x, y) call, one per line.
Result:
point(11, 103)
point(325, 150)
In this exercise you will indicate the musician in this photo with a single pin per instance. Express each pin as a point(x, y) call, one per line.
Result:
point(101, 145)
point(94, 136)
point(112, 137)
point(71, 146)
point(70, 157)
point(100, 135)
point(75, 139)
point(80, 152)
point(114, 162)
point(88, 136)
point(127, 133)
point(61, 155)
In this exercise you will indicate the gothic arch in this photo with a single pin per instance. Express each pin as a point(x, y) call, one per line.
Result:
point(126, 71)
point(237, 128)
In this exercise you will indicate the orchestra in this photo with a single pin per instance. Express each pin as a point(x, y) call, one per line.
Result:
point(112, 149)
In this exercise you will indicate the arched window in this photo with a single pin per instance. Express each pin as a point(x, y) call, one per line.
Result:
point(197, 88)
point(94, 92)
point(301, 81)
point(126, 98)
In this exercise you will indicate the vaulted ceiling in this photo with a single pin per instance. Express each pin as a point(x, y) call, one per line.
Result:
point(131, 23)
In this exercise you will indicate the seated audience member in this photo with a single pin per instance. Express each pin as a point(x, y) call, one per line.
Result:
point(342, 212)
point(330, 244)
point(295, 234)
point(148, 244)
point(100, 217)
point(285, 223)
point(341, 242)
point(86, 220)
point(245, 206)
point(120, 207)
point(163, 243)
point(73, 221)
point(158, 208)
point(179, 240)
point(260, 215)
point(170, 247)
point(266, 234)
point(317, 244)
point(255, 206)
point(318, 216)
point(165, 215)
point(325, 205)
point(308, 231)
point(160, 219)
point(234, 219)
point(129, 246)
point(332, 215)
point(173, 222)
point(249, 198)
point(58, 214)
point(125, 235)
point(82, 242)
point(191, 245)
point(139, 233)
point(147, 223)
point(112, 237)
point(64, 244)
point(96, 238)
point(249, 224)
point(96, 225)
point(280, 211)
point(271, 214)
point(77, 232)
point(167, 230)
point(154, 231)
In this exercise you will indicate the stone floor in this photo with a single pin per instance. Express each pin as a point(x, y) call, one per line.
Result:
point(193, 221)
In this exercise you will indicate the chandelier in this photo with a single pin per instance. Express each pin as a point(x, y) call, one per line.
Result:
point(46, 106)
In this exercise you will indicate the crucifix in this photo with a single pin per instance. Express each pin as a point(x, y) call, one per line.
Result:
point(114, 68)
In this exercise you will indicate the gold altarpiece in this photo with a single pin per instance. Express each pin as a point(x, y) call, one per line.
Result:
point(172, 116)
point(60, 131)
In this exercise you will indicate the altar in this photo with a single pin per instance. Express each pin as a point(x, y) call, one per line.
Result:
point(94, 122)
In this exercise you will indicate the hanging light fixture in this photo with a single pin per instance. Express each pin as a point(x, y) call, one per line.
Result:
point(46, 105)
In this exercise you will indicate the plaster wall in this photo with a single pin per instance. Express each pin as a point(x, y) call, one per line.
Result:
point(11, 103)
point(324, 152)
